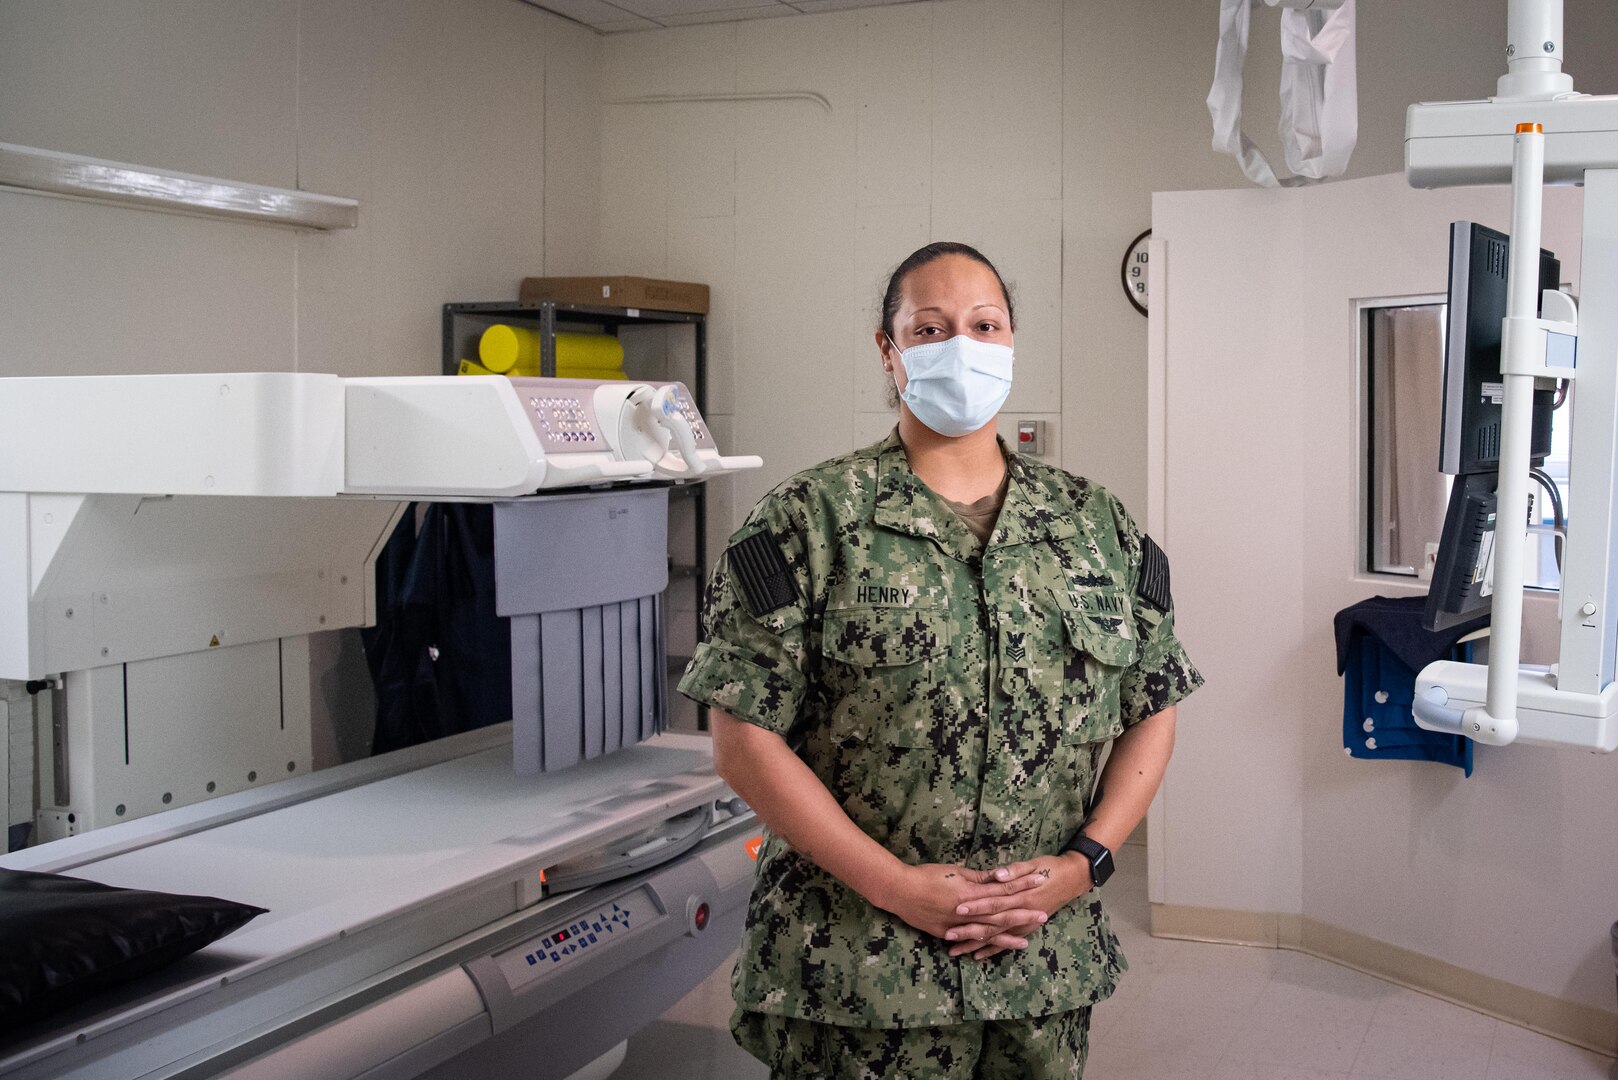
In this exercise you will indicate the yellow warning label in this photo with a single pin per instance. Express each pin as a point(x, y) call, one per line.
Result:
point(214, 642)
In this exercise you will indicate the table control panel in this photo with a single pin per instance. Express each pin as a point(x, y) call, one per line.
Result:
point(561, 945)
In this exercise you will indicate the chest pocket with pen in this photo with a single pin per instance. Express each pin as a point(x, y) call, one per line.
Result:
point(1098, 629)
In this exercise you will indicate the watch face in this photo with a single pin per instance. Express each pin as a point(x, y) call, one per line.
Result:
point(1134, 272)
point(1101, 868)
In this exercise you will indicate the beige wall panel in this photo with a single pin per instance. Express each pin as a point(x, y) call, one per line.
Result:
point(635, 65)
point(1104, 354)
point(1024, 240)
point(693, 148)
point(335, 320)
point(700, 157)
point(895, 102)
point(704, 249)
point(445, 138)
point(490, 191)
point(337, 53)
point(997, 101)
point(395, 288)
point(634, 190)
point(800, 412)
point(885, 236)
point(688, 60)
point(819, 53)
point(795, 227)
point(447, 227)
point(869, 427)
point(795, 406)
point(337, 56)
point(199, 86)
point(724, 513)
point(106, 290)
point(572, 148)
point(1135, 123)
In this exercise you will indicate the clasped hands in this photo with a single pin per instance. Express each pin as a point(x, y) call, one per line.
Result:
point(987, 912)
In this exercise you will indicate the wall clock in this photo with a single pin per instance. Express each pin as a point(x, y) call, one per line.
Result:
point(1134, 272)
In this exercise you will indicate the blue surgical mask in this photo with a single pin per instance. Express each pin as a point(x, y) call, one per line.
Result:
point(955, 386)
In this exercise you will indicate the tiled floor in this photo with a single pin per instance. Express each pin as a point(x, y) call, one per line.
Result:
point(1188, 1011)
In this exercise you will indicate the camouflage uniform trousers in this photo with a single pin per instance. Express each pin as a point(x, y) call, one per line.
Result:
point(1035, 1048)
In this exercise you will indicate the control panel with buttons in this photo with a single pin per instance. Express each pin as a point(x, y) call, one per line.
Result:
point(688, 409)
point(565, 421)
point(566, 414)
point(560, 946)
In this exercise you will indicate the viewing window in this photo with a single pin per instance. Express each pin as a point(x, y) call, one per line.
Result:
point(1402, 346)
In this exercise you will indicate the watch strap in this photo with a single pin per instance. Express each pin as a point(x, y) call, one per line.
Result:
point(1098, 854)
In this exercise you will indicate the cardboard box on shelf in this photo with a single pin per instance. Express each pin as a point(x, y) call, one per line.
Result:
point(625, 292)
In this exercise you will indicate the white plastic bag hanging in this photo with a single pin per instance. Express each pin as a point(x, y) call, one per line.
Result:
point(1319, 92)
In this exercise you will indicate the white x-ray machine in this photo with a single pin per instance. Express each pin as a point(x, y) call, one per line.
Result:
point(1538, 131)
point(168, 543)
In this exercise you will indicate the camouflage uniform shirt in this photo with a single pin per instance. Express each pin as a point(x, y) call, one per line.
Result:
point(954, 697)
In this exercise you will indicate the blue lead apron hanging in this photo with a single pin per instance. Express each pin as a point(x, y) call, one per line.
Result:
point(1381, 645)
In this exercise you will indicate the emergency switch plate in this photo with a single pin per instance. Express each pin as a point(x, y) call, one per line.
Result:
point(1030, 437)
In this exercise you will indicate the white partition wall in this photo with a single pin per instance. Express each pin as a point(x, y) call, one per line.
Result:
point(1510, 876)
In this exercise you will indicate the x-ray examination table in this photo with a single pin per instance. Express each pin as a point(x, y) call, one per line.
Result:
point(407, 932)
point(162, 571)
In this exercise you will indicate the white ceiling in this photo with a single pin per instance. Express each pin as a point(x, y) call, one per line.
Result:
point(617, 16)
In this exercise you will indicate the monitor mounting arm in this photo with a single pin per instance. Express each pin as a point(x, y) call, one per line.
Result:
point(1536, 131)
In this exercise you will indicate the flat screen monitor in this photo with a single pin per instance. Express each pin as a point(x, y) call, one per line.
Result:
point(1473, 387)
point(1463, 577)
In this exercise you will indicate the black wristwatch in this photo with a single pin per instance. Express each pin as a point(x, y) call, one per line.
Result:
point(1100, 858)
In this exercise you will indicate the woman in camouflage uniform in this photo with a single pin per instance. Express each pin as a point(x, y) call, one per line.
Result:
point(915, 655)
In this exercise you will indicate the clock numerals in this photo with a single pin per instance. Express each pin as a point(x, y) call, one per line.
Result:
point(1134, 272)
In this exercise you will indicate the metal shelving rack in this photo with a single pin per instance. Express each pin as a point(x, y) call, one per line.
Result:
point(464, 323)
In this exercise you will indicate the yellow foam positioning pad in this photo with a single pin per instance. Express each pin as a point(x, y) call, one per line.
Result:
point(597, 352)
point(469, 367)
point(514, 350)
point(504, 348)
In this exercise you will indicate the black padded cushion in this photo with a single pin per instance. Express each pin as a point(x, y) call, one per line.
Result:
point(63, 939)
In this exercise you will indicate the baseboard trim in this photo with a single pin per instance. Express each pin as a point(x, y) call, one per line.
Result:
point(1582, 1025)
